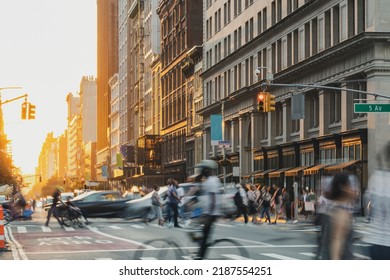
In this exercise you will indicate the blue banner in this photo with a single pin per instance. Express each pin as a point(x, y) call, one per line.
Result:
point(216, 128)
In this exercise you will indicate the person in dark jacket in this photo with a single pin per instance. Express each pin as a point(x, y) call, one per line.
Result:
point(53, 208)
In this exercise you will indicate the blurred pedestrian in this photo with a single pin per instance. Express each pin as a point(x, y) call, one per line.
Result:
point(266, 204)
point(336, 238)
point(241, 202)
point(53, 208)
point(378, 228)
point(173, 202)
point(211, 186)
point(253, 195)
point(277, 200)
point(157, 205)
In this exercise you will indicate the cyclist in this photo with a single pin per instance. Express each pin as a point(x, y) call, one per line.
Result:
point(211, 187)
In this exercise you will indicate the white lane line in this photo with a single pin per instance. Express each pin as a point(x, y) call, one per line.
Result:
point(137, 226)
point(224, 225)
point(46, 229)
point(250, 241)
point(22, 229)
point(309, 254)
point(115, 227)
point(361, 256)
point(15, 245)
point(234, 257)
point(95, 230)
point(277, 256)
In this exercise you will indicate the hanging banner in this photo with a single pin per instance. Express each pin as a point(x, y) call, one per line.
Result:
point(216, 129)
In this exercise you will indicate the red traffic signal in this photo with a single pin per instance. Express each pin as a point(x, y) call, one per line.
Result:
point(261, 101)
point(24, 110)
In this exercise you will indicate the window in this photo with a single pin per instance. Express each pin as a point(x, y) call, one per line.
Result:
point(352, 151)
point(328, 154)
point(279, 120)
point(359, 97)
point(313, 109)
point(335, 107)
point(259, 23)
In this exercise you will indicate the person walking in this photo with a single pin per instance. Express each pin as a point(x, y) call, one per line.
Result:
point(378, 227)
point(241, 202)
point(253, 195)
point(336, 238)
point(53, 208)
point(157, 205)
point(266, 204)
point(211, 186)
point(173, 202)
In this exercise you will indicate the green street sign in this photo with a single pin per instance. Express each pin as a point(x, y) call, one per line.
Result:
point(371, 108)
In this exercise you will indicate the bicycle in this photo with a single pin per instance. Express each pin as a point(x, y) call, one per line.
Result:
point(170, 249)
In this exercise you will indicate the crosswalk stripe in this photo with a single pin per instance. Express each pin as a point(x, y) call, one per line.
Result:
point(114, 227)
point(277, 256)
point(361, 256)
point(103, 259)
point(46, 229)
point(234, 257)
point(137, 226)
point(309, 254)
point(148, 258)
point(69, 229)
point(22, 229)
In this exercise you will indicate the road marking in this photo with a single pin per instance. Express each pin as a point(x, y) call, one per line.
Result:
point(46, 229)
point(22, 229)
point(225, 225)
point(309, 254)
point(148, 258)
point(95, 230)
point(251, 241)
point(234, 257)
point(69, 229)
point(103, 259)
point(137, 226)
point(17, 249)
point(115, 227)
point(277, 256)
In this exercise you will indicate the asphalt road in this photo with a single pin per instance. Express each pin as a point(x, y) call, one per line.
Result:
point(118, 239)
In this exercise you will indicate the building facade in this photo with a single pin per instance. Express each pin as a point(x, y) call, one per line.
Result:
point(107, 65)
point(181, 30)
point(339, 45)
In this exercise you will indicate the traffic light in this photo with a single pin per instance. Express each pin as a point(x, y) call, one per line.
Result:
point(31, 111)
point(270, 102)
point(24, 110)
point(261, 101)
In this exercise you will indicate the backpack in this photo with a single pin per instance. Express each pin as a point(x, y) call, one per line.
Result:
point(237, 198)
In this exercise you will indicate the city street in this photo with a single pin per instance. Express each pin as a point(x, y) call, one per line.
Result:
point(118, 239)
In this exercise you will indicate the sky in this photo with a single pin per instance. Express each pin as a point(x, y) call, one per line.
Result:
point(46, 47)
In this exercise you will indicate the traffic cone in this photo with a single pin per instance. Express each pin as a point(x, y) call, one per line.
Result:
point(2, 239)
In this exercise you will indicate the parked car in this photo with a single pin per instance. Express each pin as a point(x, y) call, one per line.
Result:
point(48, 201)
point(101, 203)
point(139, 208)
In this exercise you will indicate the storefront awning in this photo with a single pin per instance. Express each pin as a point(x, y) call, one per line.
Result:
point(295, 171)
point(261, 174)
point(315, 169)
point(341, 166)
point(220, 176)
point(277, 173)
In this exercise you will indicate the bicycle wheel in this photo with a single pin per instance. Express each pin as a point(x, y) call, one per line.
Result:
point(226, 249)
point(159, 249)
point(66, 220)
point(7, 216)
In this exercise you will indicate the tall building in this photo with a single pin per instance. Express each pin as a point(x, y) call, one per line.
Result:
point(339, 45)
point(74, 174)
point(107, 65)
point(181, 30)
point(88, 112)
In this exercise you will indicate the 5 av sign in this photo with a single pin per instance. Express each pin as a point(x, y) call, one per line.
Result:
point(371, 108)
